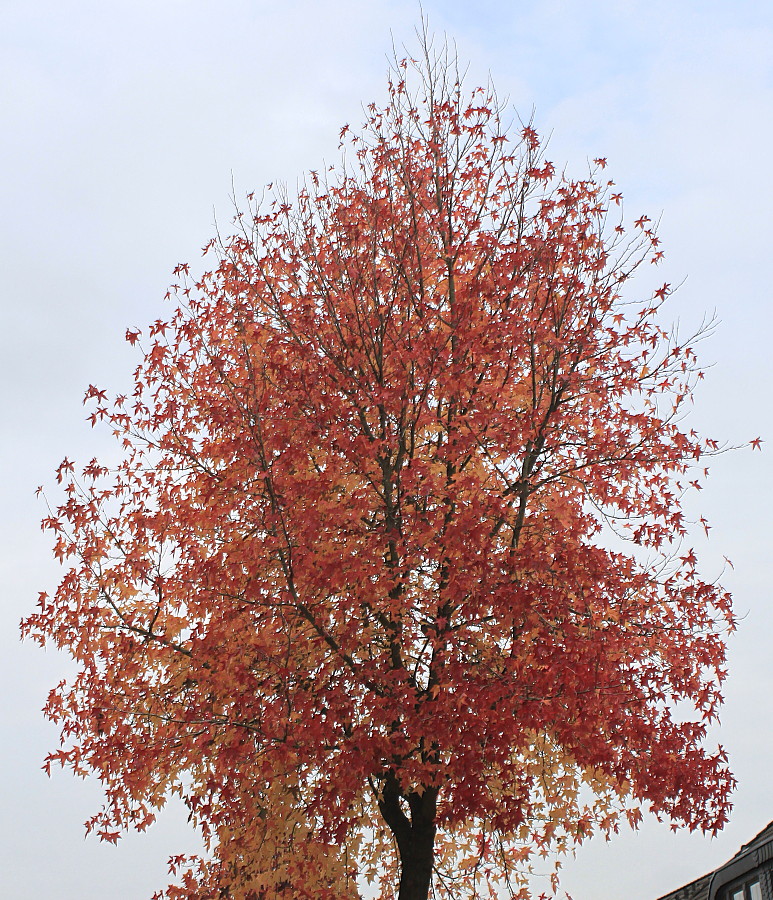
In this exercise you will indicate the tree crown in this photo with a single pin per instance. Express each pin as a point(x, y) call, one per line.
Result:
point(352, 580)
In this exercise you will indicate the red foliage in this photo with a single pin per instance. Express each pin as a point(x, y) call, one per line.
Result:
point(356, 562)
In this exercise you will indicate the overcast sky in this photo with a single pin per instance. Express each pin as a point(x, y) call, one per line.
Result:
point(122, 125)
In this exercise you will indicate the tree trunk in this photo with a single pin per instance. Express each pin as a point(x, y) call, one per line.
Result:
point(415, 836)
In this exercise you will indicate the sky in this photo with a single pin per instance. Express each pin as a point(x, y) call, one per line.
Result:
point(125, 127)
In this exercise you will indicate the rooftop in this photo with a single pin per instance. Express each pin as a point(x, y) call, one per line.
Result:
point(699, 889)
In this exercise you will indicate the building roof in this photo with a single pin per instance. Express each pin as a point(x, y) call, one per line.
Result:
point(699, 889)
point(695, 890)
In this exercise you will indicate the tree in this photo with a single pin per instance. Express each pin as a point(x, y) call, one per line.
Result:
point(387, 584)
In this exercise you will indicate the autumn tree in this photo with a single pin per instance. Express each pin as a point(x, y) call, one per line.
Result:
point(390, 583)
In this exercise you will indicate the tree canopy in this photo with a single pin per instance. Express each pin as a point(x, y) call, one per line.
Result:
point(387, 584)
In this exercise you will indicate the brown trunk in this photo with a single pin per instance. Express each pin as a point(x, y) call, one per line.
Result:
point(415, 837)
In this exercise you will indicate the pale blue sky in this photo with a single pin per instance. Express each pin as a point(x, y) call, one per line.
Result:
point(121, 124)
